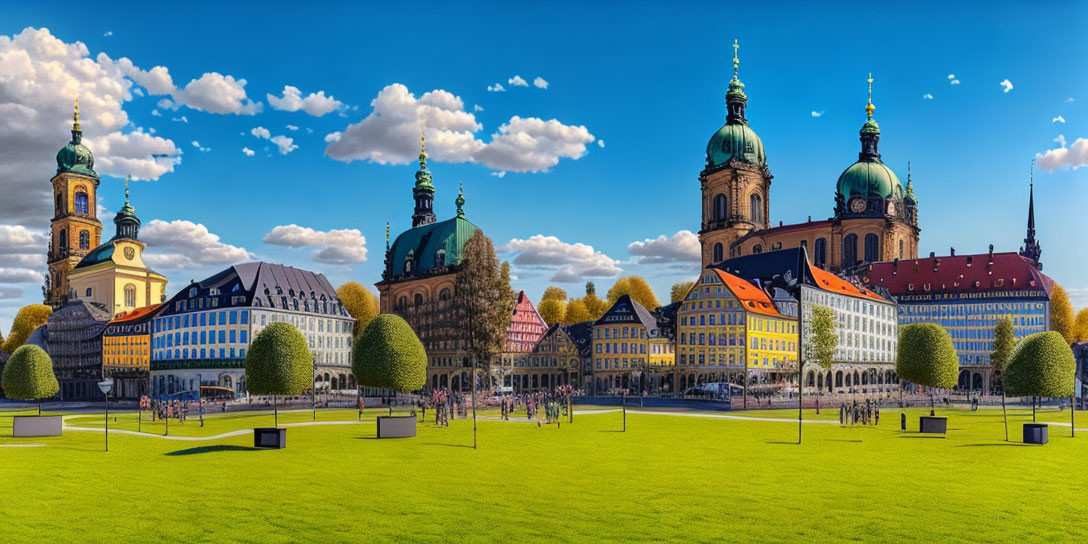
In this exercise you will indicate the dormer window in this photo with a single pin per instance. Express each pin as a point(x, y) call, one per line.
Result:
point(192, 291)
point(409, 261)
point(440, 258)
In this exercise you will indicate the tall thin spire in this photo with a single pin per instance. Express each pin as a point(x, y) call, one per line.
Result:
point(77, 131)
point(736, 59)
point(387, 235)
point(423, 192)
point(870, 108)
point(735, 99)
point(1032, 249)
point(460, 199)
point(127, 179)
point(870, 131)
point(128, 224)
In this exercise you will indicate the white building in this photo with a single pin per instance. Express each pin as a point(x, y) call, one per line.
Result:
point(202, 334)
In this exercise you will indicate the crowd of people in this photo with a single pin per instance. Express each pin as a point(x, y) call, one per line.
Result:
point(859, 414)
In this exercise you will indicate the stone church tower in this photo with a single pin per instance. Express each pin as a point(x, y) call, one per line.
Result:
point(736, 183)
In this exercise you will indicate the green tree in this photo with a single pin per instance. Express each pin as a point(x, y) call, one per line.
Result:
point(389, 355)
point(509, 297)
point(1061, 314)
point(680, 290)
point(637, 288)
point(30, 317)
point(278, 362)
point(553, 292)
point(360, 304)
point(1041, 365)
point(1080, 325)
point(28, 375)
point(551, 310)
point(484, 311)
point(927, 356)
point(591, 288)
point(825, 339)
point(576, 312)
point(1004, 342)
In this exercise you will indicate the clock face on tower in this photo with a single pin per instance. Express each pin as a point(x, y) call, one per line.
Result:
point(857, 205)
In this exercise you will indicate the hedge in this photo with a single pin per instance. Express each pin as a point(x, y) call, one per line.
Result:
point(28, 375)
point(389, 355)
point(279, 362)
point(927, 356)
point(1041, 365)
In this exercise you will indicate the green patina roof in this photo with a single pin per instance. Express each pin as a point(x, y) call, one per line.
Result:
point(735, 140)
point(97, 255)
point(424, 242)
point(75, 157)
point(869, 177)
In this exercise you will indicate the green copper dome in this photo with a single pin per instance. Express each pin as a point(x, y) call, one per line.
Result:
point(75, 157)
point(735, 140)
point(869, 177)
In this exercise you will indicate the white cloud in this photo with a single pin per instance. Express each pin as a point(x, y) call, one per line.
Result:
point(108, 33)
point(952, 79)
point(927, 96)
point(600, 144)
point(155, 113)
point(22, 252)
point(817, 113)
point(477, 108)
point(182, 119)
point(1060, 139)
point(517, 81)
point(197, 145)
point(540, 83)
point(680, 247)
point(951, 76)
point(496, 88)
point(248, 152)
point(1069, 100)
point(20, 275)
point(1078, 297)
point(9, 293)
point(533, 145)
point(315, 104)
point(1075, 156)
point(1058, 119)
point(309, 130)
point(285, 144)
point(500, 174)
point(212, 92)
point(183, 244)
point(40, 76)
point(292, 128)
point(343, 246)
point(1006, 84)
point(261, 132)
point(167, 104)
point(332, 137)
point(570, 262)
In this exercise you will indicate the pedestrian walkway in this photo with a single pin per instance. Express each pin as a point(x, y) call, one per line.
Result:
point(214, 437)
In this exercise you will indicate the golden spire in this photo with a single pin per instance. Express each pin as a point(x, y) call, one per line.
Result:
point(423, 137)
point(75, 124)
point(870, 107)
point(736, 59)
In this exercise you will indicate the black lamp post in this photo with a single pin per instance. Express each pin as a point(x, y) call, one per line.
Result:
point(106, 385)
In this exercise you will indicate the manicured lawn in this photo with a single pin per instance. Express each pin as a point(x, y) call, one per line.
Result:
point(668, 478)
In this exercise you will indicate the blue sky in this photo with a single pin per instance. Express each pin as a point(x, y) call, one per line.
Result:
point(646, 79)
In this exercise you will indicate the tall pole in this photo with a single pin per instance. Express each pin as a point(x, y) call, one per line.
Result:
point(313, 388)
point(107, 403)
point(474, 404)
point(623, 399)
point(1072, 417)
point(800, 363)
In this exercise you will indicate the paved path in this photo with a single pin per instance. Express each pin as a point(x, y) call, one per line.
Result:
point(214, 437)
point(678, 414)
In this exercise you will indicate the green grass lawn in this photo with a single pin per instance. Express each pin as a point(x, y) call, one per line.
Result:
point(667, 478)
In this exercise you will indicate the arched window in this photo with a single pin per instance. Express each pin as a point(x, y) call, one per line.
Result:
point(820, 258)
point(900, 249)
point(130, 296)
point(60, 205)
point(872, 248)
point(849, 250)
point(81, 200)
point(755, 209)
point(84, 240)
point(444, 294)
point(402, 302)
point(719, 208)
point(718, 250)
point(408, 262)
point(440, 258)
point(418, 299)
point(63, 239)
point(757, 248)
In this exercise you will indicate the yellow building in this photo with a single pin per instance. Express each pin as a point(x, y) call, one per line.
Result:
point(630, 350)
point(731, 331)
point(126, 351)
point(114, 274)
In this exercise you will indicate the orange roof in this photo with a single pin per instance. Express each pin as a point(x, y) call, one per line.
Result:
point(830, 282)
point(752, 298)
point(137, 313)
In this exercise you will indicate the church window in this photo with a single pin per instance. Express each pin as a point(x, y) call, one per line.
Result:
point(402, 302)
point(88, 292)
point(418, 299)
point(755, 209)
point(757, 248)
point(444, 294)
point(849, 250)
point(84, 240)
point(60, 205)
point(81, 201)
point(718, 253)
point(900, 249)
point(130, 296)
point(192, 292)
point(719, 207)
point(820, 258)
point(63, 239)
point(408, 262)
point(872, 248)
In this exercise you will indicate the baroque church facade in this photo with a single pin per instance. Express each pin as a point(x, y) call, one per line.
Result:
point(876, 217)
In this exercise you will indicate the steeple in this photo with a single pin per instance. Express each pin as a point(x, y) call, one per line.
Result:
point(423, 192)
point(735, 99)
point(1031, 249)
point(460, 200)
point(128, 225)
point(77, 131)
point(870, 131)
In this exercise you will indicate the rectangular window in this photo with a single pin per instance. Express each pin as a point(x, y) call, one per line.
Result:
point(222, 337)
point(233, 317)
point(244, 336)
point(233, 336)
point(245, 317)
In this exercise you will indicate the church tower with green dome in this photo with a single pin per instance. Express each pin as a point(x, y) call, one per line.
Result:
point(423, 192)
point(74, 228)
point(735, 182)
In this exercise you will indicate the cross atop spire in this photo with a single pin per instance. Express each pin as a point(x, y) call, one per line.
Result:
point(870, 107)
point(127, 179)
point(75, 116)
point(460, 199)
point(736, 59)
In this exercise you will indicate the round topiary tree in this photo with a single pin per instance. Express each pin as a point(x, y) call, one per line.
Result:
point(278, 363)
point(1041, 365)
point(389, 355)
point(28, 375)
point(927, 356)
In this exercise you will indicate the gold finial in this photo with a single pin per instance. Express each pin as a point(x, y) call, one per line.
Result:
point(736, 59)
point(75, 117)
point(870, 107)
point(423, 137)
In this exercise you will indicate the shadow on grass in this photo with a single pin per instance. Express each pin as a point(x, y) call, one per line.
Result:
point(918, 435)
point(211, 449)
point(792, 443)
point(997, 444)
point(611, 431)
point(843, 440)
point(448, 445)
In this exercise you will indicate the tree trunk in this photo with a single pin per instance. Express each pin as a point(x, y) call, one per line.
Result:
point(474, 405)
point(276, 411)
point(1004, 413)
point(1033, 409)
point(1072, 418)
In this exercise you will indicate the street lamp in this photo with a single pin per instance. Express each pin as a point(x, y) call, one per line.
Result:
point(106, 385)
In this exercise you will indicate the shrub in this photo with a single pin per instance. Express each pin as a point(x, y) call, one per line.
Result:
point(1041, 365)
point(389, 355)
point(279, 362)
point(28, 375)
point(30, 317)
point(927, 356)
point(360, 303)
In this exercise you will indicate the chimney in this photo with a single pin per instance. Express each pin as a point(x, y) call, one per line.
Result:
point(780, 222)
point(952, 252)
point(932, 254)
point(810, 219)
point(991, 251)
point(895, 266)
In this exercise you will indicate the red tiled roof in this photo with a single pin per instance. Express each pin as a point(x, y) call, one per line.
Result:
point(136, 314)
point(830, 282)
point(961, 273)
point(752, 298)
